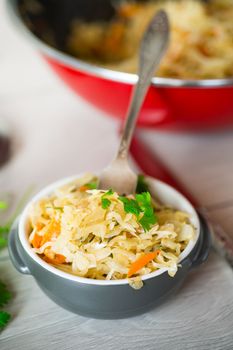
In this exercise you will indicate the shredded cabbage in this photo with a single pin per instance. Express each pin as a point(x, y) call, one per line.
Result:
point(71, 230)
point(201, 45)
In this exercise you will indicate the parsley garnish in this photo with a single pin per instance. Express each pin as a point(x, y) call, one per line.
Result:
point(141, 204)
point(108, 193)
point(5, 296)
point(91, 185)
point(130, 205)
point(105, 201)
point(142, 185)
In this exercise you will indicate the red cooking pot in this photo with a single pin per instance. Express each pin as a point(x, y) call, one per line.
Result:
point(173, 104)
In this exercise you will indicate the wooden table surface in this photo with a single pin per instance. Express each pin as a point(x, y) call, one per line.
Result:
point(57, 134)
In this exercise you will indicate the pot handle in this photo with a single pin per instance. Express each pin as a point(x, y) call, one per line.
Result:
point(13, 250)
point(203, 253)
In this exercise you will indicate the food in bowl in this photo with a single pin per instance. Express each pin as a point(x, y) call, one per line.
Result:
point(105, 236)
point(94, 297)
point(201, 44)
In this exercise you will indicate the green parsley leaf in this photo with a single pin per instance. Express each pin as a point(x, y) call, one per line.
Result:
point(147, 221)
point(91, 185)
point(3, 205)
point(5, 295)
point(105, 203)
point(142, 185)
point(4, 319)
point(3, 242)
point(108, 193)
point(140, 205)
point(130, 205)
point(4, 229)
point(144, 202)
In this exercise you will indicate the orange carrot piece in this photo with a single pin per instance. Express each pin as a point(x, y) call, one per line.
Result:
point(36, 242)
point(83, 188)
point(53, 231)
point(39, 226)
point(58, 259)
point(141, 262)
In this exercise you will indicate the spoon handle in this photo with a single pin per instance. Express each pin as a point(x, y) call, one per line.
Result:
point(153, 46)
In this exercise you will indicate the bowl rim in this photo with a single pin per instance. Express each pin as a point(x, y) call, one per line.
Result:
point(48, 189)
point(105, 73)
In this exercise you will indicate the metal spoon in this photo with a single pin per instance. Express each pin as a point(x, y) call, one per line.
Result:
point(118, 174)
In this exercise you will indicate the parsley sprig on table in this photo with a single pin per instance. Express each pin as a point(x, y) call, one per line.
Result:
point(5, 296)
point(4, 229)
point(3, 205)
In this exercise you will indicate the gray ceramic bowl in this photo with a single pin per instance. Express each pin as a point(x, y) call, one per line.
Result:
point(108, 299)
